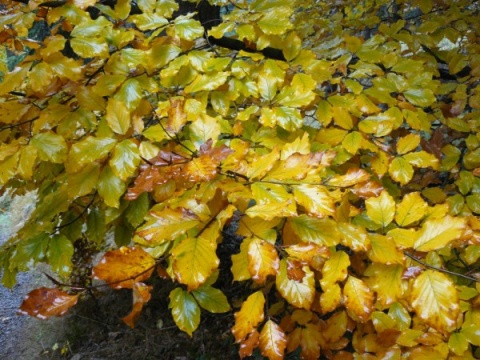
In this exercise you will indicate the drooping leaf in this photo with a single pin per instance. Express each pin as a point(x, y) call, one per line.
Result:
point(250, 315)
point(185, 310)
point(272, 341)
point(60, 251)
point(194, 260)
point(124, 267)
point(43, 303)
point(211, 299)
point(435, 300)
point(141, 295)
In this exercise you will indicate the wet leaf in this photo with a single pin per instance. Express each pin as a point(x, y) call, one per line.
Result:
point(141, 295)
point(435, 300)
point(262, 260)
point(185, 310)
point(124, 267)
point(211, 299)
point(298, 292)
point(358, 299)
point(381, 209)
point(437, 233)
point(411, 209)
point(250, 315)
point(272, 341)
point(43, 303)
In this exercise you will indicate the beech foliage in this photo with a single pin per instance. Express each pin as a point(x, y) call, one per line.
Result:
point(346, 158)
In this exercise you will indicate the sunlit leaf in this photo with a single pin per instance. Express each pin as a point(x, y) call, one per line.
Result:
point(124, 267)
point(411, 209)
point(125, 159)
point(194, 260)
point(437, 233)
point(315, 199)
point(43, 303)
point(50, 147)
point(262, 260)
point(435, 300)
point(335, 269)
point(118, 116)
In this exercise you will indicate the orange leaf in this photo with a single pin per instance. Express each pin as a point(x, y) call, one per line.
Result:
point(250, 315)
point(273, 341)
point(204, 167)
point(141, 295)
point(124, 267)
point(43, 303)
point(249, 344)
point(262, 260)
point(308, 338)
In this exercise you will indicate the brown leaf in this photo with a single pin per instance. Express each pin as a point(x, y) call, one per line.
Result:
point(141, 295)
point(44, 302)
point(249, 344)
point(124, 267)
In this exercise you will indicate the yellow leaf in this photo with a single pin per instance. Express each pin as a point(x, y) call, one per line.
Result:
point(240, 262)
point(342, 117)
point(299, 293)
point(207, 82)
point(194, 260)
point(438, 233)
point(422, 159)
point(352, 142)
point(336, 327)
point(335, 269)
point(352, 177)
point(249, 227)
point(167, 224)
point(355, 237)
point(381, 209)
point(319, 231)
point(315, 199)
point(263, 164)
point(118, 116)
point(407, 143)
point(273, 341)
point(458, 343)
point(250, 315)
point(262, 260)
point(386, 281)
point(411, 209)
point(309, 338)
point(435, 300)
point(330, 299)
point(358, 299)
point(400, 170)
point(384, 250)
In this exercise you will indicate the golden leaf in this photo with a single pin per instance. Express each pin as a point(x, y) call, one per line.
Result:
point(381, 209)
point(250, 315)
point(358, 299)
point(438, 233)
point(335, 269)
point(435, 300)
point(273, 341)
point(386, 281)
point(43, 303)
point(262, 260)
point(141, 295)
point(123, 268)
point(411, 209)
point(298, 292)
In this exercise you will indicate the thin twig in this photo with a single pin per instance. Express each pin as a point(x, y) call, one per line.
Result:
point(431, 267)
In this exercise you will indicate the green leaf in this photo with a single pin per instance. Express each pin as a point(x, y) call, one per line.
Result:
point(31, 250)
point(84, 181)
point(125, 159)
point(137, 210)
point(420, 97)
point(96, 226)
point(211, 299)
point(60, 252)
point(87, 151)
point(110, 187)
point(185, 310)
point(50, 146)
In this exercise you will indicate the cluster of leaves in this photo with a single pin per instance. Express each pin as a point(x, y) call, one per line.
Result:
point(353, 166)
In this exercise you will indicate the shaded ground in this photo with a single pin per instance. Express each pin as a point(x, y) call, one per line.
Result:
point(94, 330)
